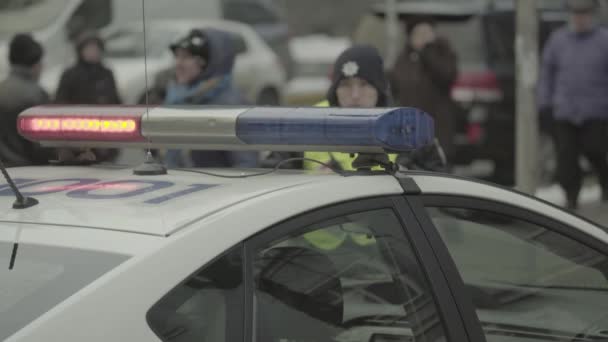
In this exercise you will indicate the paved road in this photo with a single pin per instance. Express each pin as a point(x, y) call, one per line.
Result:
point(597, 212)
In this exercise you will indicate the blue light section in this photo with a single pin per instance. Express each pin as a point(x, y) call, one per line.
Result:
point(393, 129)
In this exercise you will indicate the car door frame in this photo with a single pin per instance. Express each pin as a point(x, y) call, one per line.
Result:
point(421, 202)
point(445, 304)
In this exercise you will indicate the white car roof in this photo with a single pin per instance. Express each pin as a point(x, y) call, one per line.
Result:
point(164, 211)
point(133, 214)
point(160, 212)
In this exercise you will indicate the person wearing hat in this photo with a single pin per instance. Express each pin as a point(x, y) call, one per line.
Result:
point(204, 61)
point(359, 81)
point(89, 82)
point(572, 90)
point(17, 93)
point(423, 75)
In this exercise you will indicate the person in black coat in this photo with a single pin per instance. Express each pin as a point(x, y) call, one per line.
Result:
point(89, 82)
point(18, 92)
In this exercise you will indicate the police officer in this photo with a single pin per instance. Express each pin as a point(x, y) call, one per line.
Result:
point(359, 81)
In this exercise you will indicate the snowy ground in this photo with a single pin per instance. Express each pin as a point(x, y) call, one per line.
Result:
point(589, 195)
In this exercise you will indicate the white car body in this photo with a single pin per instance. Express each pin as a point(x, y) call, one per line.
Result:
point(256, 71)
point(167, 241)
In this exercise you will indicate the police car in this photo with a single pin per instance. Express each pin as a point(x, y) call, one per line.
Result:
point(103, 253)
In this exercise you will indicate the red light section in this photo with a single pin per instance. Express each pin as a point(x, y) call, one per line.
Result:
point(87, 128)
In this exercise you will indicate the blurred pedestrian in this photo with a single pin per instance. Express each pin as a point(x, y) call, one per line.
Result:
point(423, 76)
point(359, 81)
point(572, 89)
point(89, 82)
point(204, 60)
point(17, 93)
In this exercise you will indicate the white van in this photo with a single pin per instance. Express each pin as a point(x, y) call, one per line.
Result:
point(55, 22)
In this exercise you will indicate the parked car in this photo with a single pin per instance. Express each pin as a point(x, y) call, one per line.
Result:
point(258, 73)
point(55, 23)
point(314, 57)
point(483, 35)
point(100, 253)
point(268, 22)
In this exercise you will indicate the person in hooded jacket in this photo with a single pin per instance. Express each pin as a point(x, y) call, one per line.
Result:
point(17, 93)
point(204, 60)
point(423, 76)
point(89, 82)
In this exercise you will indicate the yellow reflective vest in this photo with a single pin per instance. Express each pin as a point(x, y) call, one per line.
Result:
point(344, 160)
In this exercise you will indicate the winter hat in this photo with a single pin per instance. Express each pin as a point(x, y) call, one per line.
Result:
point(361, 61)
point(86, 38)
point(196, 42)
point(24, 50)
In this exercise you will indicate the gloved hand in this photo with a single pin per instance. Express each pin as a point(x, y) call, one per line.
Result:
point(428, 158)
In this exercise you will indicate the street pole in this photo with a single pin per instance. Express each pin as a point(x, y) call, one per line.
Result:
point(392, 33)
point(526, 127)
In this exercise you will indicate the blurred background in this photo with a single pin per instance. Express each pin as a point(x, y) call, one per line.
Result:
point(286, 50)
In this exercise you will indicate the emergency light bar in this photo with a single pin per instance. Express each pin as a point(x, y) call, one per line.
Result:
point(375, 130)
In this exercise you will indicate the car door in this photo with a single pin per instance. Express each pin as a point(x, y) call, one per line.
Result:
point(528, 276)
point(360, 271)
point(357, 271)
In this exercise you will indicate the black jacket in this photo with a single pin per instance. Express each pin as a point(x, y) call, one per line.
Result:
point(19, 92)
point(423, 80)
point(86, 83)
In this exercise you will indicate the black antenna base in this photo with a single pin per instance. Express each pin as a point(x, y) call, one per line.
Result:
point(150, 167)
point(24, 203)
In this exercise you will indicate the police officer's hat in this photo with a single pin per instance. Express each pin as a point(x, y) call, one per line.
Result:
point(196, 42)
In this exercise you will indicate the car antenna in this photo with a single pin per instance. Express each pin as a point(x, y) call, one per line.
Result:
point(150, 167)
point(20, 203)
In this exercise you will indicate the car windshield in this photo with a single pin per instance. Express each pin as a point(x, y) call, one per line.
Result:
point(27, 16)
point(42, 277)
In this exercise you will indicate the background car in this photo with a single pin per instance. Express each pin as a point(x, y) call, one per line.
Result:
point(55, 23)
point(264, 17)
point(314, 57)
point(257, 72)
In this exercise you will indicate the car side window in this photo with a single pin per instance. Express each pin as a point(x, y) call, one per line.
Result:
point(352, 278)
point(527, 282)
point(208, 307)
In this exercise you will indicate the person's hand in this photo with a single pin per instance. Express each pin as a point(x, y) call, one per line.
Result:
point(87, 155)
point(66, 155)
point(421, 35)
